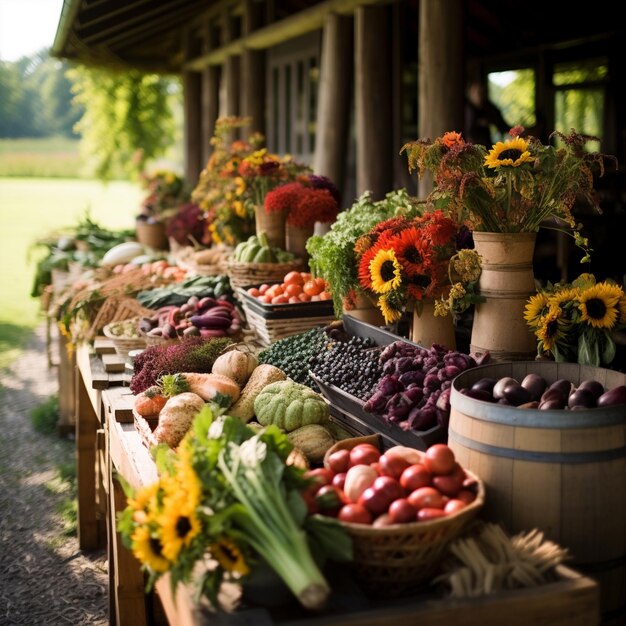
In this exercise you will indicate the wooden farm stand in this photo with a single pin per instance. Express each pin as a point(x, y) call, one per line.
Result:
point(108, 445)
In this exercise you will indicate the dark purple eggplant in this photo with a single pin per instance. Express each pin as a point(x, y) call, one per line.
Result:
point(613, 397)
point(547, 405)
point(564, 385)
point(593, 386)
point(535, 384)
point(478, 394)
point(581, 397)
point(516, 394)
point(529, 405)
point(485, 384)
point(555, 395)
point(498, 388)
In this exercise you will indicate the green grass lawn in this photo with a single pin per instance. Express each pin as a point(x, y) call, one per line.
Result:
point(32, 208)
point(54, 157)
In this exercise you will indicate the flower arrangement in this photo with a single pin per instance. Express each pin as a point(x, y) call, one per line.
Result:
point(188, 225)
point(166, 192)
point(403, 261)
point(221, 191)
point(516, 186)
point(305, 201)
point(332, 255)
point(226, 494)
point(574, 321)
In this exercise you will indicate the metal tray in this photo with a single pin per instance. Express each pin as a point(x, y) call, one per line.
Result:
point(378, 335)
point(321, 308)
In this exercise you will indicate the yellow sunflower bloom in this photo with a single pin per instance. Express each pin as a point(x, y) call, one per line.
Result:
point(179, 525)
point(562, 297)
point(239, 208)
point(187, 477)
point(229, 556)
point(552, 328)
point(389, 311)
point(510, 153)
point(240, 186)
point(385, 271)
point(599, 305)
point(535, 308)
point(148, 550)
point(145, 498)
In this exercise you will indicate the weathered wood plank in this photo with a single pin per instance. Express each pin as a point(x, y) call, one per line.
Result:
point(118, 404)
point(113, 363)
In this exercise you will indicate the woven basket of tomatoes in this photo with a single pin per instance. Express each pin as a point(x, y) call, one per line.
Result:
point(401, 508)
point(243, 274)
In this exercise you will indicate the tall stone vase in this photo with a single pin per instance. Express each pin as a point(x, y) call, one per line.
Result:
point(296, 238)
point(428, 328)
point(272, 224)
point(506, 281)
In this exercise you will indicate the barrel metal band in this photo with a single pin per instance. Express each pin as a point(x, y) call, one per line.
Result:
point(506, 267)
point(544, 457)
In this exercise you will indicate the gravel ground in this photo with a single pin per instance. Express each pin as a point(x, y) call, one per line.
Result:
point(44, 577)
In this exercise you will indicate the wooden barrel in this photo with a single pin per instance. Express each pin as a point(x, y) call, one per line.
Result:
point(561, 471)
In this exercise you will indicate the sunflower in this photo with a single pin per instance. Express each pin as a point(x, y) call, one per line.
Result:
point(390, 307)
point(417, 285)
point(145, 499)
point(179, 525)
point(552, 328)
point(535, 309)
point(229, 556)
point(149, 550)
point(363, 271)
point(452, 138)
point(599, 305)
point(385, 271)
point(187, 476)
point(241, 186)
point(511, 153)
point(563, 297)
point(407, 248)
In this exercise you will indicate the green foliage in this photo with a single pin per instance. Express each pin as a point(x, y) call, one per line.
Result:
point(127, 118)
point(332, 255)
point(46, 415)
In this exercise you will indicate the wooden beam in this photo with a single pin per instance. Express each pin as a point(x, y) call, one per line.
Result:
point(252, 73)
point(192, 93)
point(299, 24)
point(334, 96)
point(441, 77)
point(374, 130)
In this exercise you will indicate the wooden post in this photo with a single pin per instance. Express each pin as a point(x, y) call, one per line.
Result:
point(211, 76)
point(253, 72)
point(333, 108)
point(374, 170)
point(441, 76)
point(192, 94)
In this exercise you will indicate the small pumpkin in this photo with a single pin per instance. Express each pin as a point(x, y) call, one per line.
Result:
point(290, 405)
point(236, 365)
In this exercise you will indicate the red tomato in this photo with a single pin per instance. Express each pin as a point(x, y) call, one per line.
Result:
point(339, 461)
point(254, 292)
point(280, 300)
point(293, 278)
point(439, 459)
point(355, 514)
point(294, 300)
point(304, 297)
point(450, 484)
point(293, 290)
point(265, 299)
point(452, 506)
point(263, 288)
point(426, 497)
point(402, 511)
point(390, 487)
point(314, 287)
point(364, 454)
point(392, 465)
point(339, 480)
point(414, 477)
point(430, 513)
point(326, 295)
point(320, 475)
point(466, 495)
point(375, 501)
point(329, 499)
point(382, 520)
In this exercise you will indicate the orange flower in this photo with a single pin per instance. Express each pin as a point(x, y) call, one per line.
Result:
point(452, 138)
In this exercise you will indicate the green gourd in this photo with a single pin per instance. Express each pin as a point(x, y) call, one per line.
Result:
point(290, 405)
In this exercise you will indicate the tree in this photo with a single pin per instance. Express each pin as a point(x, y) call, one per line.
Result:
point(127, 119)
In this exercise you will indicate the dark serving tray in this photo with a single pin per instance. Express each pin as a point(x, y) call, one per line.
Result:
point(378, 335)
point(321, 308)
point(353, 414)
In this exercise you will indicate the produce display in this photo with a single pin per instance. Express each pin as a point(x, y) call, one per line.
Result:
point(296, 287)
point(124, 328)
point(257, 250)
point(414, 391)
point(362, 486)
point(204, 317)
point(351, 365)
point(179, 293)
point(533, 392)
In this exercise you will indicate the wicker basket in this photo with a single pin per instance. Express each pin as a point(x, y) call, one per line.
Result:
point(397, 560)
point(123, 345)
point(245, 274)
